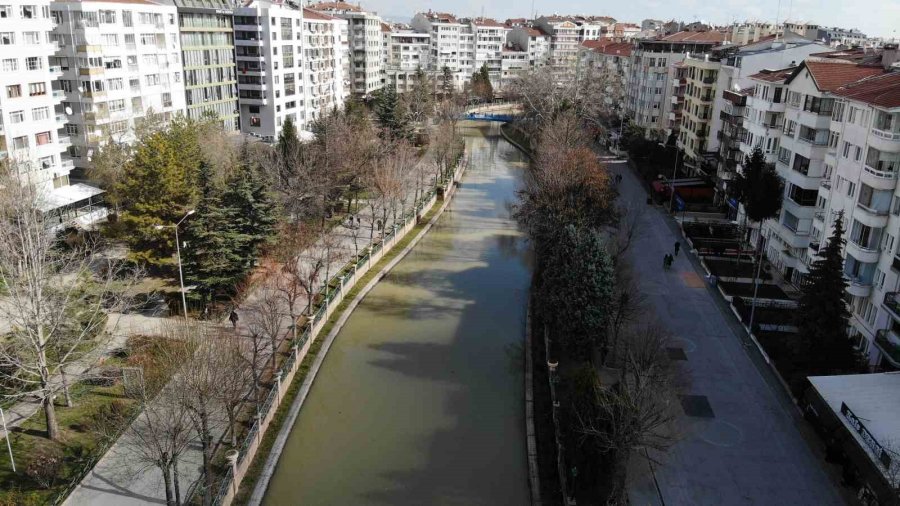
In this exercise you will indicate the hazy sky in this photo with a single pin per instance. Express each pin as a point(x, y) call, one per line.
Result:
point(873, 17)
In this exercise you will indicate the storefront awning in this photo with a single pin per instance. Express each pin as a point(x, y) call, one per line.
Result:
point(67, 195)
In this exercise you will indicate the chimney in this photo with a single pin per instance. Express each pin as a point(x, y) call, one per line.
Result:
point(889, 56)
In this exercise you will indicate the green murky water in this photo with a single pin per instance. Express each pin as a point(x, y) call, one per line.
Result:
point(420, 399)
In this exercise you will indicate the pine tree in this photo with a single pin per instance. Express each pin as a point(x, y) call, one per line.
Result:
point(212, 256)
point(577, 285)
point(823, 346)
point(759, 188)
point(287, 150)
point(447, 86)
point(251, 210)
point(157, 186)
point(390, 115)
point(481, 84)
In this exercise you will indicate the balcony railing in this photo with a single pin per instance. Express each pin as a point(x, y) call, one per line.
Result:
point(883, 174)
point(889, 344)
point(886, 134)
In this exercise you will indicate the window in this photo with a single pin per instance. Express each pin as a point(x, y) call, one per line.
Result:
point(846, 151)
point(17, 116)
point(851, 188)
point(857, 155)
point(108, 17)
point(40, 113)
point(20, 143)
point(71, 129)
point(33, 38)
point(34, 63)
point(152, 80)
point(36, 89)
point(801, 164)
point(117, 105)
point(13, 91)
point(134, 84)
point(5, 11)
point(255, 121)
point(7, 38)
point(27, 11)
point(10, 64)
point(42, 138)
point(167, 99)
point(110, 39)
point(115, 84)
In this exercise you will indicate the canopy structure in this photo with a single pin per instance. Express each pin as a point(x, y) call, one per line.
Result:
point(67, 195)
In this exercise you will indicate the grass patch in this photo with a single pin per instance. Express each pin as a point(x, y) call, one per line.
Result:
point(746, 290)
point(262, 454)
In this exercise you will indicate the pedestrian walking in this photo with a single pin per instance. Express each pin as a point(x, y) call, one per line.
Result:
point(233, 318)
point(677, 247)
point(666, 261)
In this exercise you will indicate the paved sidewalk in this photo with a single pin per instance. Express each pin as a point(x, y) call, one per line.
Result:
point(739, 439)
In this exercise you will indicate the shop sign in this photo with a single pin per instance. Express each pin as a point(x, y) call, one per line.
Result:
point(866, 436)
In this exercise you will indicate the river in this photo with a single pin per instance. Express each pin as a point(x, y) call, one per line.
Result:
point(420, 399)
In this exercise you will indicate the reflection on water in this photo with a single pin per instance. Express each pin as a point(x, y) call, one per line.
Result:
point(420, 399)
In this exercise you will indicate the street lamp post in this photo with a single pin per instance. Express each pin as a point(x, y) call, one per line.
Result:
point(674, 175)
point(178, 255)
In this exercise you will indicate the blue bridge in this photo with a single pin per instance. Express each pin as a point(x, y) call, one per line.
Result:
point(503, 118)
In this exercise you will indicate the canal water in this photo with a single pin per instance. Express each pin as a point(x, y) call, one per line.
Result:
point(420, 399)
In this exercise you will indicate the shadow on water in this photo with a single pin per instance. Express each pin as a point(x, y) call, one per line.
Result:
point(420, 400)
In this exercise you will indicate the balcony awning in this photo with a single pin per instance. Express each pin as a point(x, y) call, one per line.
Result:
point(67, 195)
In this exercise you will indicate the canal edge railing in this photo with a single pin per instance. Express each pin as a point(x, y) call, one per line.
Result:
point(534, 477)
point(230, 488)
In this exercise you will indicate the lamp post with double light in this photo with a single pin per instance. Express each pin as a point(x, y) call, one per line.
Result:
point(178, 255)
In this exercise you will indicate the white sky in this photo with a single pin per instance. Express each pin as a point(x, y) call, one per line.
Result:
point(873, 17)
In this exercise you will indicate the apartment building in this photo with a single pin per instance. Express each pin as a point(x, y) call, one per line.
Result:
point(513, 64)
point(863, 162)
point(791, 122)
point(120, 60)
point(532, 41)
point(408, 51)
point(452, 44)
point(321, 65)
point(564, 42)
point(33, 118)
point(654, 95)
point(366, 44)
point(206, 33)
point(700, 77)
point(490, 39)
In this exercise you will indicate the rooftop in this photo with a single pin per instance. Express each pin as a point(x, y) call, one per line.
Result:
point(710, 37)
point(336, 6)
point(830, 75)
point(487, 22)
point(311, 14)
point(774, 75)
point(873, 398)
point(441, 17)
point(880, 91)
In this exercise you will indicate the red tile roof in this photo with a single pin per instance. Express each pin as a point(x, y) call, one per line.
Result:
point(487, 22)
point(881, 91)
point(335, 6)
point(311, 14)
point(774, 76)
point(440, 16)
point(535, 32)
point(596, 44)
point(617, 49)
point(386, 28)
point(713, 37)
point(831, 75)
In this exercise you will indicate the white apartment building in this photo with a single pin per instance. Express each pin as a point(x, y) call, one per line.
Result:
point(365, 43)
point(452, 44)
point(513, 64)
point(119, 60)
point(654, 96)
point(289, 65)
point(32, 118)
point(564, 42)
point(408, 51)
point(532, 41)
point(490, 39)
point(863, 162)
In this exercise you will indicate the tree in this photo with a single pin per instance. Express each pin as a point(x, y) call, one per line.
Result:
point(212, 259)
point(234, 387)
point(481, 84)
point(157, 187)
point(577, 288)
point(635, 413)
point(107, 167)
point(419, 101)
point(287, 152)
point(56, 300)
point(758, 188)
point(391, 117)
point(447, 86)
point(265, 316)
point(823, 346)
point(251, 210)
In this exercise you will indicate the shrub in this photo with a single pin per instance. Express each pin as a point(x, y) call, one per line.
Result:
point(44, 466)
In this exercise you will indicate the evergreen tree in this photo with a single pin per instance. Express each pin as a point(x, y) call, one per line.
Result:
point(577, 290)
point(823, 346)
point(758, 188)
point(252, 211)
point(447, 86)
point(287, 149)
point(212, 256)
point(157, 186)
point(481, 84)
point(390, 115)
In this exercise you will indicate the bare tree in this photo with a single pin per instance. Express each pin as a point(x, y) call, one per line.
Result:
point(265, 316)
point(635, 413)
point(234, 387)
point(293, 240)
point(628, 226)
point(446, 145)
point(56, 300)
point(626, 306)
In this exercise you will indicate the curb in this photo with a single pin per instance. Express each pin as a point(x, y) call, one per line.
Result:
point(534, 476)
point(262, 484)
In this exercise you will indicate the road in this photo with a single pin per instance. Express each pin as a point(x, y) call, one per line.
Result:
point(739, 436)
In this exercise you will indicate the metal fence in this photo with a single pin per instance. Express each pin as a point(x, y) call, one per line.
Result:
point(329, 298)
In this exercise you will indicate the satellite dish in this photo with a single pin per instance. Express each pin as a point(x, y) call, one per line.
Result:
point(69, 111)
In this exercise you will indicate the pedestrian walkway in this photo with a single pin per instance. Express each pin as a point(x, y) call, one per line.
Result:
point(738, 436)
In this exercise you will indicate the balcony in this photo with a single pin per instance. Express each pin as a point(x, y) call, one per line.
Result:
point(858, 286)
point(56, 71)
point(886, 134)
point(865, 253)
point(59, 95)
point(889, 344)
